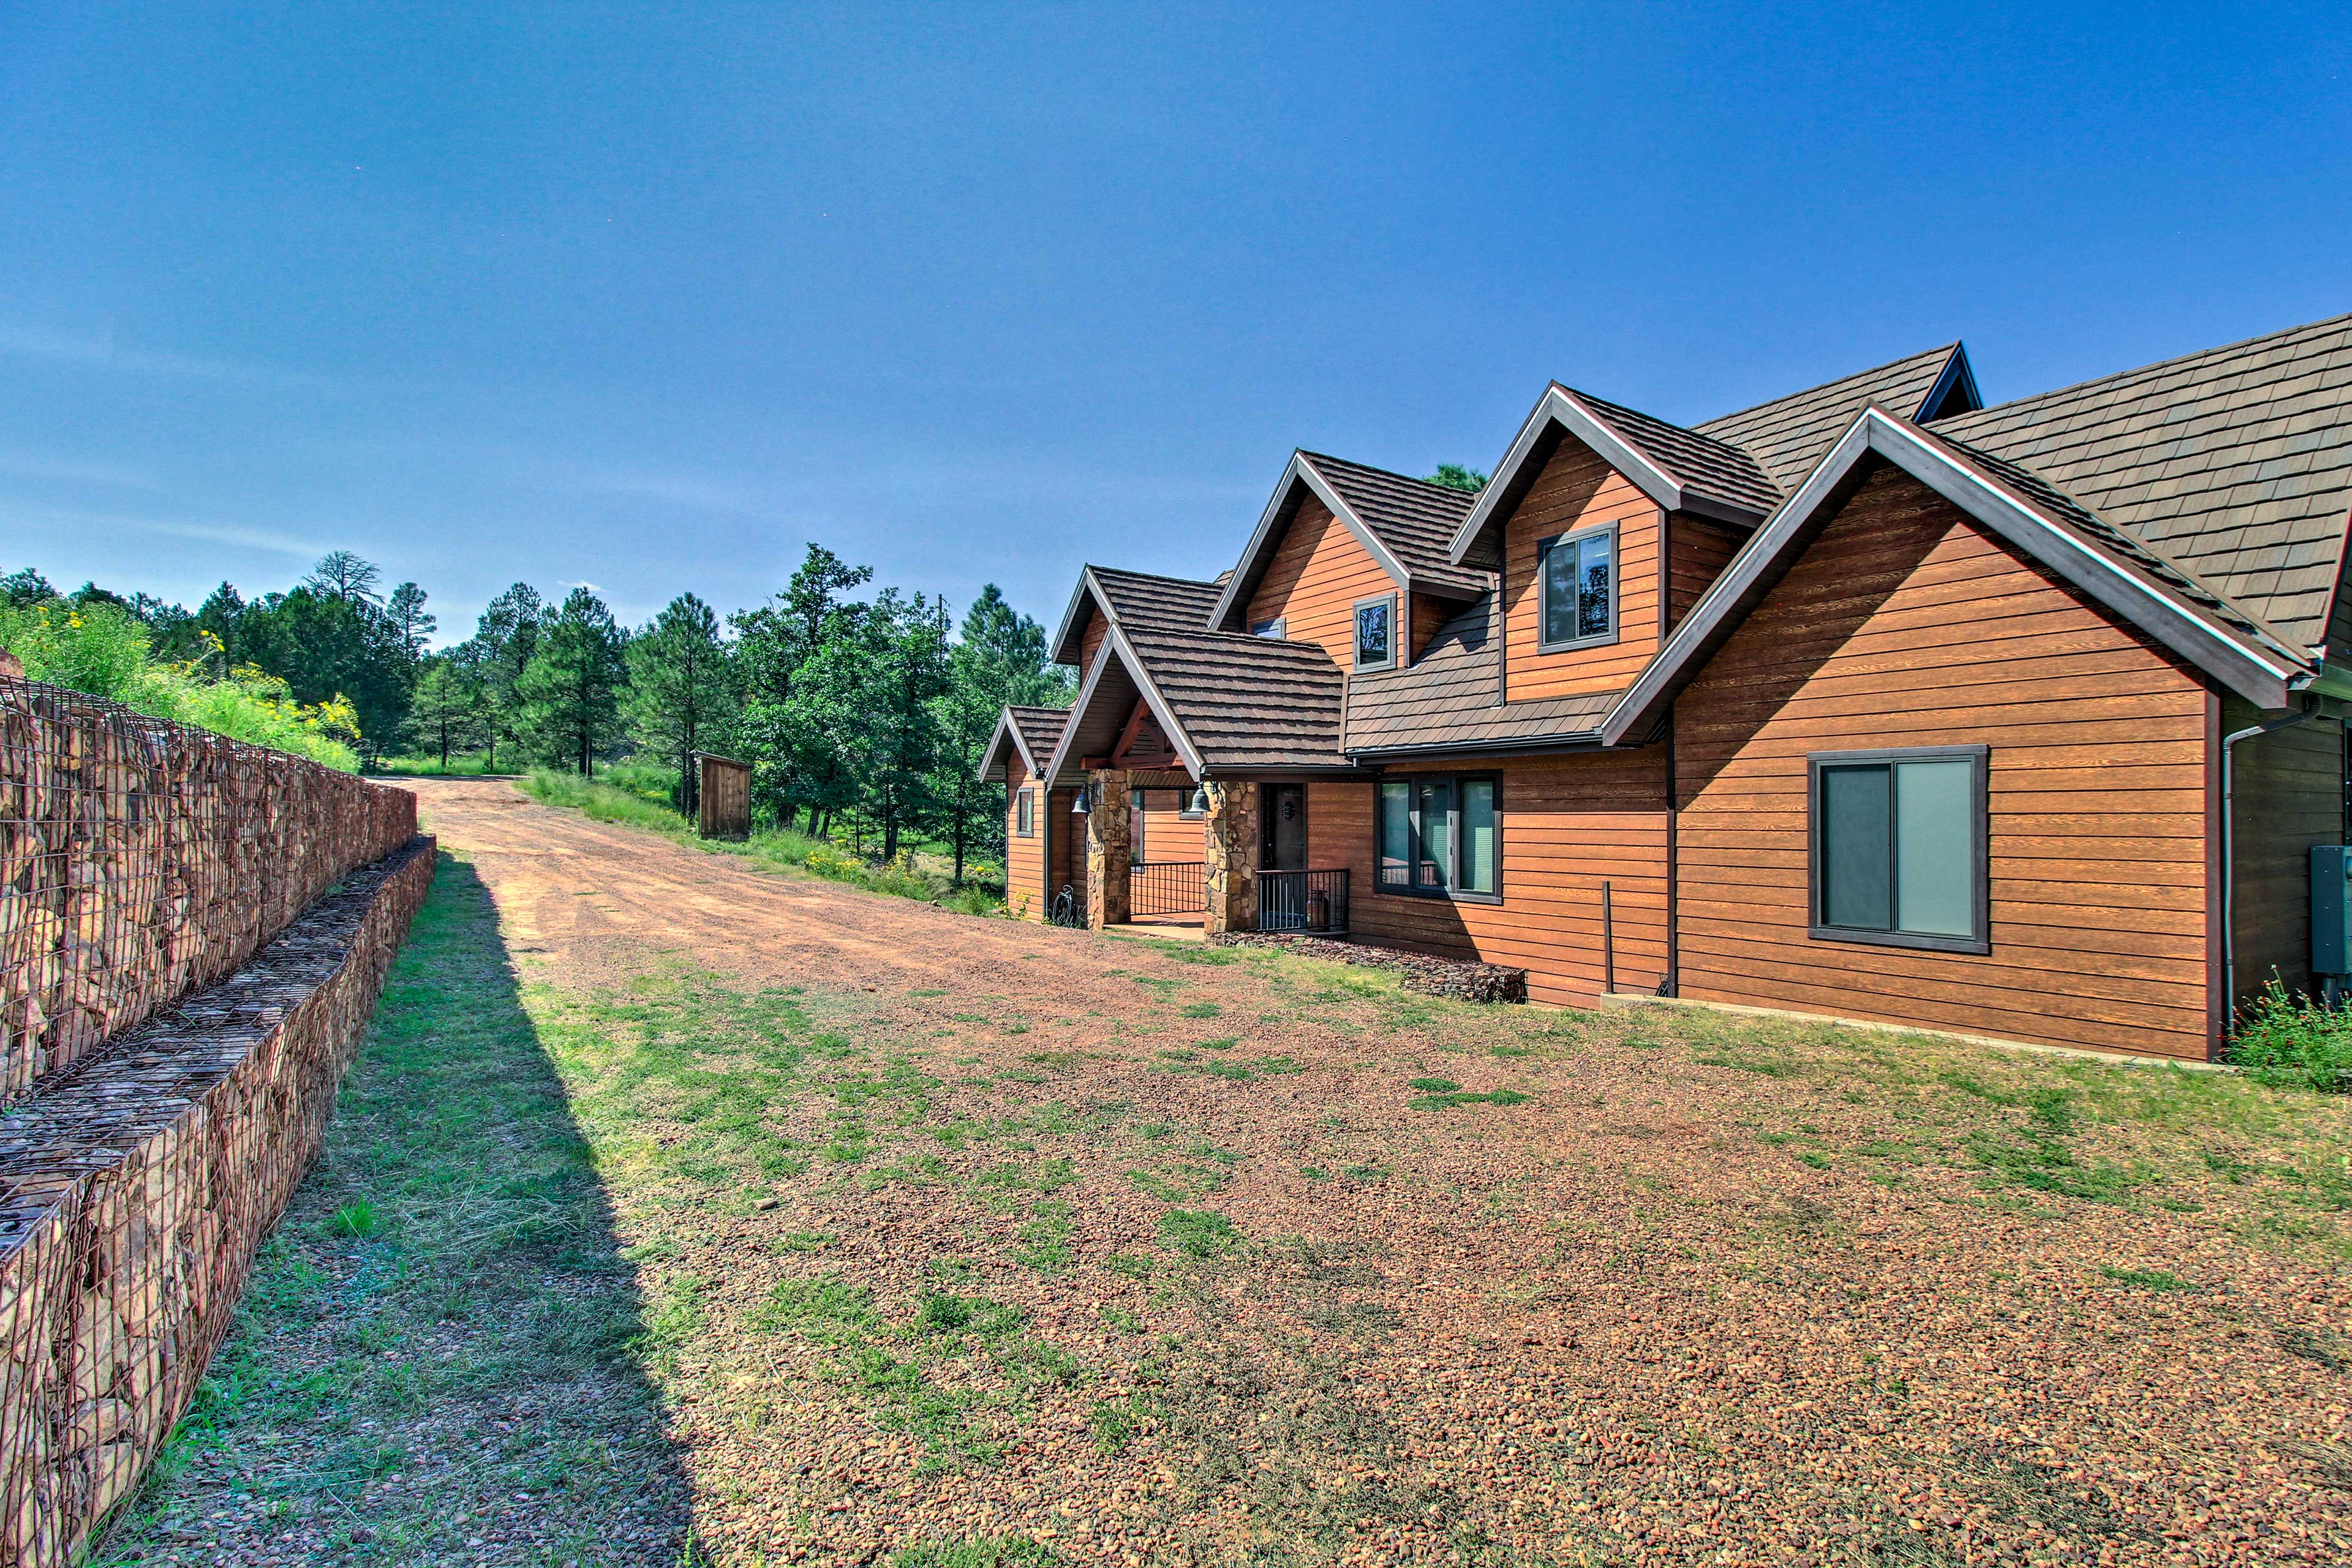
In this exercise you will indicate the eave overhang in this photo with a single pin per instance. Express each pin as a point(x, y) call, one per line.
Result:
point(1558, 411)
point(1119, 678)
point(2257, 666)
point(1008, 735)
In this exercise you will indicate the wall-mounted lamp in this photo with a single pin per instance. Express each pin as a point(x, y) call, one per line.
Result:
point(1200, 806)
point(1078, 803)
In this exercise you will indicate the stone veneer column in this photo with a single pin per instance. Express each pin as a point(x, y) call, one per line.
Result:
point(1232, 846)
point(1110, 832)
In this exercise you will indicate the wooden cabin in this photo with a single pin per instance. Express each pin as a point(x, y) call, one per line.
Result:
point(1868, 703)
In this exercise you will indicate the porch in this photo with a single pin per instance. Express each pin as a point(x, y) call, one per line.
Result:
point(1252, 875)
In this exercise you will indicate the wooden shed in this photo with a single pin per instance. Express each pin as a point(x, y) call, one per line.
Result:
point(724, 797)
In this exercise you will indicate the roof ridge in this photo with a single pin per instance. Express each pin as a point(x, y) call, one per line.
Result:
point(1154, 576)
point(2337, 319)
point(1946, 349)
point(1385, 473)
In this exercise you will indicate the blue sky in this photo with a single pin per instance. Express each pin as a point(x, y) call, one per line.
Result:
point(648, 297)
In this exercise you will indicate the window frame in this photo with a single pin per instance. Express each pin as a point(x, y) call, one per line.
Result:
point(1455, 783)
point(1544, 547)
point(1275, 630)
point(1979, 759)
point(1024, 812)
point(1355, 634)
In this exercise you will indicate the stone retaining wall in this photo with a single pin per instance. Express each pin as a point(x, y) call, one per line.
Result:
point(135, 1186)
point(140, 860)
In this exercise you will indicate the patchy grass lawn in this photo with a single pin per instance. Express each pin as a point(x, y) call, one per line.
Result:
point(1229, 1257)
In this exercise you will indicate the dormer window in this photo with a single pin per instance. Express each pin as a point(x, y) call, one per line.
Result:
point(1376, 633)
point(1576, 576)
point(1273, 629)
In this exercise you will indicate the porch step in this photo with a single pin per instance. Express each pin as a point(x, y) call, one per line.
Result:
point(1429, 976)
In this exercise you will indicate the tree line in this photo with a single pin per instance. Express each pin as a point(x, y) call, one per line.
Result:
point(868, 713)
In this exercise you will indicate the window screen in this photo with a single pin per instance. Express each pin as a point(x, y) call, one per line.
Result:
point(1375, 633)
point(1480, 847)
point(1579, 580)
point(1898, 846)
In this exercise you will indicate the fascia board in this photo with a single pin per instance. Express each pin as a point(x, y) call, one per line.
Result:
point(1058, 763)
point(1380, 553)
point(1067, 634)
point(1523, 445)
point(2253, 676)
point(1141, 676)
point(1239, 584)
point(1005, 730)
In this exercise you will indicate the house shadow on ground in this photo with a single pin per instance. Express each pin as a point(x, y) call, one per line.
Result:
point(432, 1361)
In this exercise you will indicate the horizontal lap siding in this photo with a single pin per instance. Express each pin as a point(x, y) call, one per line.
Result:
point(1090, 640)
point(1905, 625)
point(1165, 832)
point(1570, 824)
point(1025, 858)
point(1699, 549)
point(2289, 788)
point(1319, 572)
point(1577, 491)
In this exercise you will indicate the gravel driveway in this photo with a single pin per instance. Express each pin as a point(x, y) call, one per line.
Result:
point(1157, 1255)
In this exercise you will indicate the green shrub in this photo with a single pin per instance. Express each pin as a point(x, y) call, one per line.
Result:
point(2291, 1038)
point(105, 651)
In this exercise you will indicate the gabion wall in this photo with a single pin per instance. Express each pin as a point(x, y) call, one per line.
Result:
point(165, 1078)
point(140, 860)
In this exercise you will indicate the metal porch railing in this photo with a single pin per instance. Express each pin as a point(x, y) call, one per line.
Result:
point(1311, 901)
point(1168, 888)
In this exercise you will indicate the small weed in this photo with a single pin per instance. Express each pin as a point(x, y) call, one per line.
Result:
point(1046, 1239)
point(1119, 1317)
point(1434, 1085)
point(1225, 1043)
point(1818, 1161)
point(2147, 1278)
point(354, 1221)
point(1134, 1264)
point(980, 1552)
point(802, 1241)
point(1315, 1172)
point(1201, 1010)
point(1114, 1421)
point(1199, 1233)
point(944, 1314)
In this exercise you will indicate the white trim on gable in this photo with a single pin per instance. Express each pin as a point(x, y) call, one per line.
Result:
point(2262, 674)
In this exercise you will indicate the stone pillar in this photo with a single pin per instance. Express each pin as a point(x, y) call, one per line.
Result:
point(1233, 840)
point(1110, 832)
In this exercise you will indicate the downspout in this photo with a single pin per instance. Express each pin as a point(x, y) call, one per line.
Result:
point(2229, 847)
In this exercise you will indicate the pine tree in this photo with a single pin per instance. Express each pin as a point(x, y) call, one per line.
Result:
point(999, 658)
point(442, 711)
point(681, 697)
point(569, 694)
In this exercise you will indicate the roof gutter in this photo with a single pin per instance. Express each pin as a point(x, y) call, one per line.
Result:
point(1569, 739)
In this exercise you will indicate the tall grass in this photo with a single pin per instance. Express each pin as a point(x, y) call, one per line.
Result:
point(107, 652)
point(465, 764)
point(2291, 1038)
point(604, 801)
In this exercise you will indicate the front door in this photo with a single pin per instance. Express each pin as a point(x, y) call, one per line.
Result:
point(1283, 836)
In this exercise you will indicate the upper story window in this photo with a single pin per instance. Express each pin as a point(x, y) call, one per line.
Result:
point(1376, 633)
point(1576, 574)
point(1898, 848)
point(1273, 629)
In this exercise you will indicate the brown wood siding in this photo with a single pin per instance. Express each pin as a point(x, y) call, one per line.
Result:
point(2290, 796)
point(1577, 491)
point(1319, 572)
point(1428, 615)
point(1067, 849)
point(1025, 858)
point(1905, 625)
point(1090, 639)
point(1568, 825)
point(1165, 832)
point(1698, 549)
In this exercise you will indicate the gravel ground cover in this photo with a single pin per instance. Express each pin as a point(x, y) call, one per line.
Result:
point(784, 1223)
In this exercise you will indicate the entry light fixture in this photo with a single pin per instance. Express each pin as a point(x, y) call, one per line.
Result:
point(1078, 802)
point(1200, 806)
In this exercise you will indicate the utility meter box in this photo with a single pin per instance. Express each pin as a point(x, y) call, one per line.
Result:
point(2331, 908)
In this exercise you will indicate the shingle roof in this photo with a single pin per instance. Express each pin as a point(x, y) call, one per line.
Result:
point(1789, 435)
point(2235, 463)
point(1245, 702)
point(1141, 602)
point(1041, 729)
point(1450, 698)
point(1415, 518)
point(1697, 462)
